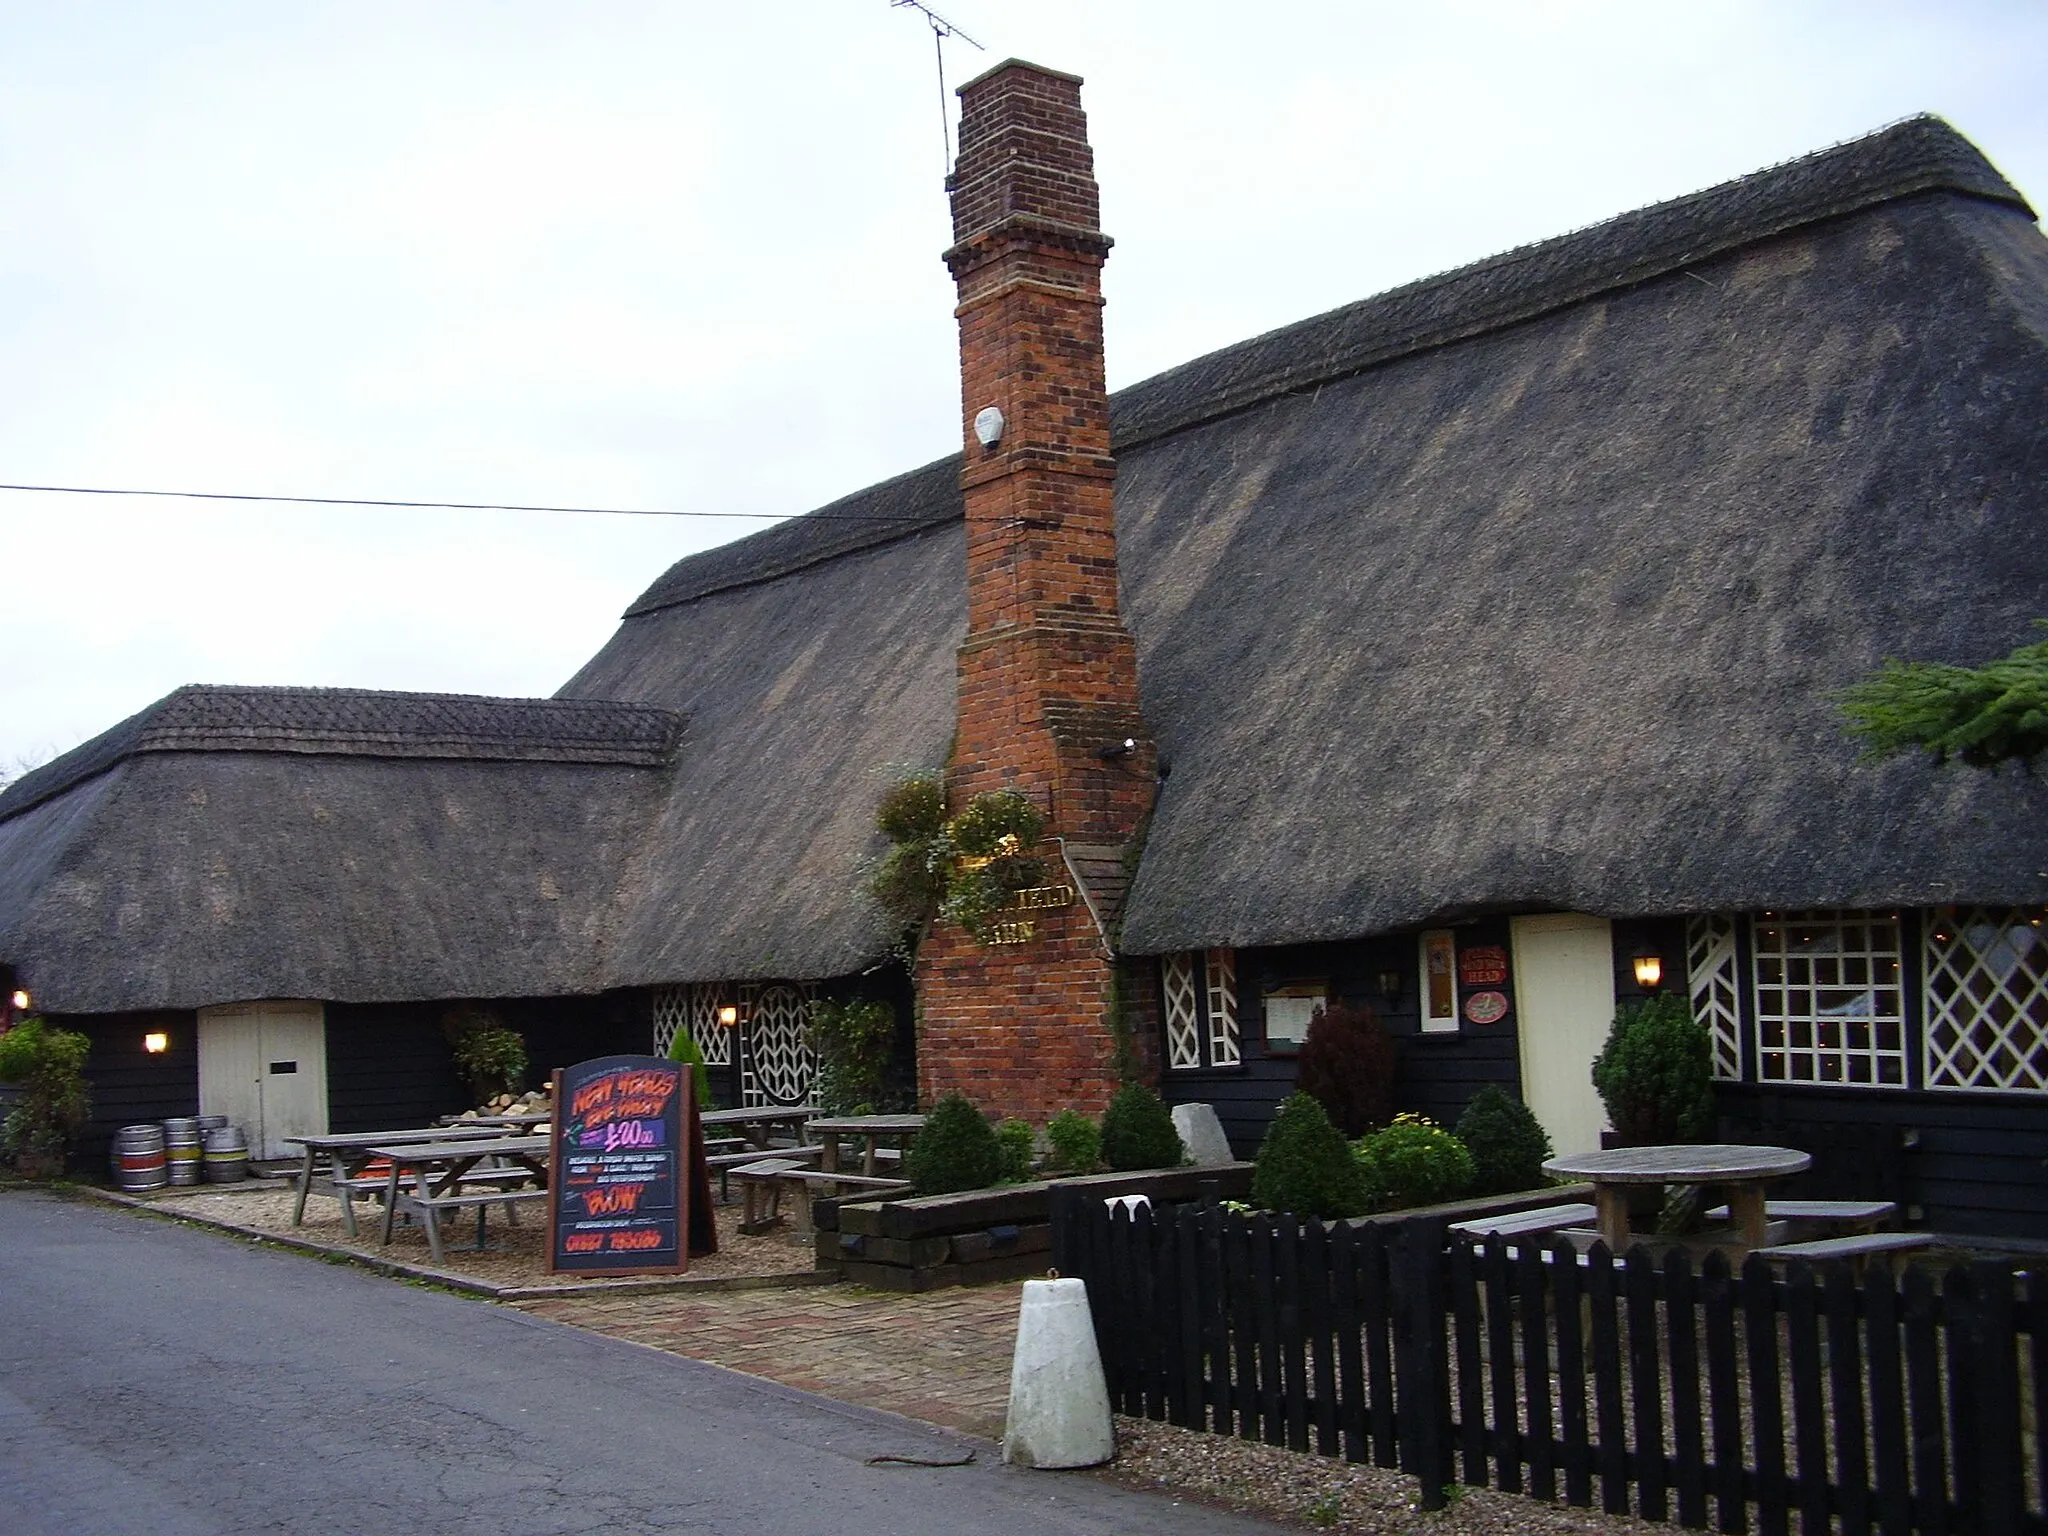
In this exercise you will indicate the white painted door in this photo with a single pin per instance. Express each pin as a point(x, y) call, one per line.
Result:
point(264, 1066)
point(1564, 1006)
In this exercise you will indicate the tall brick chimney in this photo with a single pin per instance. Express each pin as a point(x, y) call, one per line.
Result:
point(1048, 675)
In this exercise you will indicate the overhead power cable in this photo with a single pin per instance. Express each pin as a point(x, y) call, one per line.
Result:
point(455, 506)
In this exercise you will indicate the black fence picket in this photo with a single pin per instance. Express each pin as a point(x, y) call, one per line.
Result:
point(1901, 1406)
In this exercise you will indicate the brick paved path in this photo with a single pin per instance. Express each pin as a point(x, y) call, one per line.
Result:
point(943, 1357)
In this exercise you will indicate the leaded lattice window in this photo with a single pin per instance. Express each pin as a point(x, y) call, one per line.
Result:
point(1713, 977)
point(776, 1066)
point(1987, 999)
point(1221, 965)
point(1200, 996)
point(693, 1009)
point(1828, 998)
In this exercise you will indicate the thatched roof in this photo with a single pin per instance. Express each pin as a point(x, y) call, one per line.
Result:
point(1521, 587)
point(275, 842)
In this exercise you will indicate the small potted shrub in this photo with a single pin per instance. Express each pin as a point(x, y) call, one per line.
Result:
point(1348, 1064)
point(957, 1149)
point(685, 1051)
point(1656, 1074)
point(1507, 1143)
point(1304, 1165)
point(1138, 1132)
point(1413, 1161)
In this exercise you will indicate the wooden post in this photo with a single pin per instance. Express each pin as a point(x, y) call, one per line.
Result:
point(1419, 1362)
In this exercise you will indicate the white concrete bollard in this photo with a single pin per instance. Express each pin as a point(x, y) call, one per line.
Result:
point(1059, 1401)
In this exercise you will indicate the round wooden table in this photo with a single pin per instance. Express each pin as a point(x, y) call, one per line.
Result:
point(1741, 1171)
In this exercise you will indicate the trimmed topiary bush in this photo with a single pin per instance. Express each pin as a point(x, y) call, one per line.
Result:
point(1347, 1064)
point(1076, 1142)
point(1656, 1073)
point(1137, 1131)
point(1414, 1161)
point(1017, 1140)
point(1507, 1143)
point(1305, 1165)
point(957, 1149)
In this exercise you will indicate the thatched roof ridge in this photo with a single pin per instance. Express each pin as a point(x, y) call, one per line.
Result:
point(364, 722)
point(881, 514)
point(1919, 154)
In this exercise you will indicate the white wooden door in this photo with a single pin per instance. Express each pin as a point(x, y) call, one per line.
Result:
point(1564, 1006)
point(264, 1066)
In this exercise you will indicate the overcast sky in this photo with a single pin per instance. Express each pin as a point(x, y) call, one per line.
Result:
point(686, 256)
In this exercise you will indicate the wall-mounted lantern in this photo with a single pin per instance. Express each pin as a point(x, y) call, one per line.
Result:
point(728, 1016)
point(1390, 986)
point(1649, 967)
point(156, 1042)
point(21, 1000)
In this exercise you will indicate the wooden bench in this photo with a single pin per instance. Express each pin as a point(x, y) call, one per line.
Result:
point(1531, 1223)
point(1858, 1250)
point(1812, 1219)
point(762, 1183)
point(726, 1163)
point(429, 1208)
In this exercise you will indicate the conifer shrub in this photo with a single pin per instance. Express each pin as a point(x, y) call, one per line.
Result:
point(1017, 1140)
point(1076, 1142)
point(684, 1049)
point(1304, 1165)
point(1508, 1144)
point(1656, 1073)
point(1137, 1131)
point(1347, 1064)
point(1413, 1161)
point(957, 1149)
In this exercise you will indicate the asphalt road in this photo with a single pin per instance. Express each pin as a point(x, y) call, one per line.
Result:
point(163, 1380)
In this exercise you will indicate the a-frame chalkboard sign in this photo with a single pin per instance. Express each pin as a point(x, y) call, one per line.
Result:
point(629, 1190)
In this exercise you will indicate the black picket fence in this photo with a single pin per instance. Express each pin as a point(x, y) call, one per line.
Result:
point(1668, 1389)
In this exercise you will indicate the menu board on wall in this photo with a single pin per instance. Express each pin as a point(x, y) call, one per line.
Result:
point(620, 1176)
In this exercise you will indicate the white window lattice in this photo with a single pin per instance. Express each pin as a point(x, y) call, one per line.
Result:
point(1222, 975)
point(1713, 979)
point(1200, 993)
point(1829, 1005)
point(1183, 1021)
point(693, 1009)
point(776, 1066)
point(1987, 999)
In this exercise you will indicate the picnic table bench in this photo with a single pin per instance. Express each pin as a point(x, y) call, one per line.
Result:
point(762, 1184)
point(1858, 1248)
point(431, 1207)
point(353, 1166)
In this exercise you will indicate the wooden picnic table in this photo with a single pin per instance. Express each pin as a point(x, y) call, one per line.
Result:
point(439, 1167)
point(1742, 1171)
point(756, 1123)
point(871, 1130)
point(348, 1153)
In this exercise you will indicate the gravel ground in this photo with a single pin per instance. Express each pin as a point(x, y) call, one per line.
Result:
point(1319, 1494)
point(516, 1255)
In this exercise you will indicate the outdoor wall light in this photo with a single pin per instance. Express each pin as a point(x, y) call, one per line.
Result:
point(1390, 986)
point(1117, 749)
point(1649, 967)
point(156, 1042)
point(728, 1016)
point(21, 1000)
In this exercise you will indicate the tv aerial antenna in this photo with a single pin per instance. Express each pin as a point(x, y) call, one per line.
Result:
point(941, 30)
